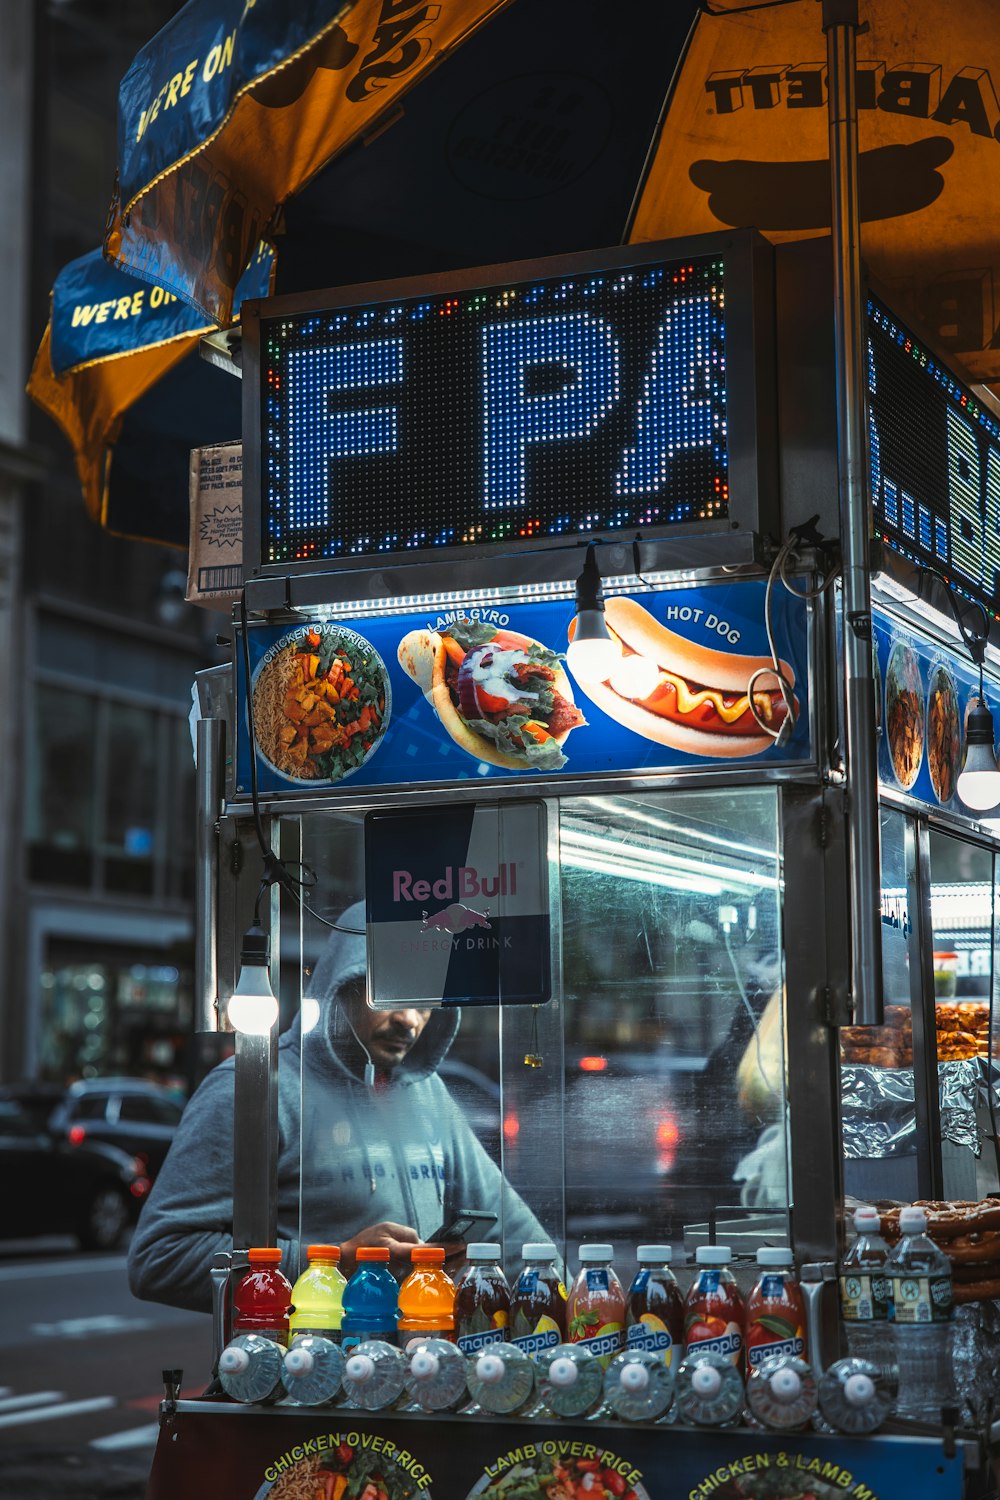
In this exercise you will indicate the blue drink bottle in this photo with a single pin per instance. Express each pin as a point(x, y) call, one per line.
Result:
point(371, 1300)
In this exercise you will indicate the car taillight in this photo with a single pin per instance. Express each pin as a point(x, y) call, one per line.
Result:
point(141, 1161)
point(511, 1127)
point(76, 1135)
point(593, 1064)
point(139, 1187)
point(667, 1138)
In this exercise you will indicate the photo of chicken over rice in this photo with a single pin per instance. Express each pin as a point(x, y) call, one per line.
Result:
point(321, 703)
point(904, 713)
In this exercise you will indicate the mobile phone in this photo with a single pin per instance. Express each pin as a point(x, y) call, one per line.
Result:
point(463, 1223)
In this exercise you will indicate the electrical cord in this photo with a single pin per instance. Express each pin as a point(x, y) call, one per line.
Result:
point(787, 553)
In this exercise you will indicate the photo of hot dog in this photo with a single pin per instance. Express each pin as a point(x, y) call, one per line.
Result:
point(503, 697)
point(694, 698)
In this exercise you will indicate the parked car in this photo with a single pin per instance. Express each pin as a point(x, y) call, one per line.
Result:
point(51, 1184)
point(137, 1116)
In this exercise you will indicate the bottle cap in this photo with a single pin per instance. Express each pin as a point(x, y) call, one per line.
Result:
point(859, 1389)
point(360, 1367)
point(427, 1255)
point(706, 1381)
point(866, 1218)
point(786, 1385)
point(912, 1220)
point(234, 1360)
point(264, 1255)
point(298, 1361)
point(589, 1253)
point(372, 1252)
point(489, 1369)
point(563, 1372)
point(323, 1252)
point(775, 1255)
point(483, 1251)
point(538, 1250)
point(660, 1255)
point(424, 1365)
point(712, 1255)
point(633, 1377)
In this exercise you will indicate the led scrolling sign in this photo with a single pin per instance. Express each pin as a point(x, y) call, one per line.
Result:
point(592, 400)
point(935, 462)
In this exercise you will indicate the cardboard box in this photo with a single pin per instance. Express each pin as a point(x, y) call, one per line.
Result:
point(215, 550)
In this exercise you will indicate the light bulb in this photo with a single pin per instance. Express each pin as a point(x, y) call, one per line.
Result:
point(978, 783)
point(634, 676)
point(309, 1014)
point(253, 1006)
point(592, 654)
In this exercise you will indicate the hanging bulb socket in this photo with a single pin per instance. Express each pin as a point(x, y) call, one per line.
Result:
point(592, 654)
point(253, 1005)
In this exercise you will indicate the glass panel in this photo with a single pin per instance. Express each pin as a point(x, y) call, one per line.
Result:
point(180, 801)
point(61, 783)
point(674, 1083)
point(132, 779)
point(962, 921)
point(878, 1108)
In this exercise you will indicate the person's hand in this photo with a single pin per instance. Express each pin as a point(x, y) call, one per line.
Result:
point(398, 1239)
point(454, 1255)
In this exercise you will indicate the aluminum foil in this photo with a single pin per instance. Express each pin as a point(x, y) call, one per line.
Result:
point(879, 1114)
point(975, 1353)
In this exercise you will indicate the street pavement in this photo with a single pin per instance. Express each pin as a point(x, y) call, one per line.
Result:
point(80, 1373)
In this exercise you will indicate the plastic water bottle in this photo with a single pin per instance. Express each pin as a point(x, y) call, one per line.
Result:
point(638, 1386)
point(250, 1368)
point(709, 1389)
point(866, 1292)
point(435, 1374)
point(312, 1370)
point(921, 1312)
point(855, 1396)
point(374, 1375)
point(570, 1381)
point(781, 1392)
point(501, 1379)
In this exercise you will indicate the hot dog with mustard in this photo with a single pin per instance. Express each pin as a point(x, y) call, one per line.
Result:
point(700, 701)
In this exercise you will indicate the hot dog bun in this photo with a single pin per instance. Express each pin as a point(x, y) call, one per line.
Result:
point(422, 655)
point(699, 666)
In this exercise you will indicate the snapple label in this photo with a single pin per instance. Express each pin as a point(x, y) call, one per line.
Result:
point(595, 1312)
point(776, 1318)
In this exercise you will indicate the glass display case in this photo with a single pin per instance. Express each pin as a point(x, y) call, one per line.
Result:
point(646, 1100)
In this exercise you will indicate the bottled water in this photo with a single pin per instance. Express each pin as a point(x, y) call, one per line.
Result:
point(866, 1293)
point(250, 1368)
point(638, 1386)
point(570, 1381)
point(435, 1374)
point(855, 1396)
point(312, 1370)
point(501, 1379)
point(781, 1392)
point(709, 1389)
point(374, 1375)
point(921, 1312)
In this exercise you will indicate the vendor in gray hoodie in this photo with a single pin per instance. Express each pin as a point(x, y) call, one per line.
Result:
point(389, 1154)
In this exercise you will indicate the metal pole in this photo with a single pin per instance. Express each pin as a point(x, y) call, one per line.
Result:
point(209, 762)
point(840, 22)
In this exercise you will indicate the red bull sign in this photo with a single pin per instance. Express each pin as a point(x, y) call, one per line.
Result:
point(457, 906)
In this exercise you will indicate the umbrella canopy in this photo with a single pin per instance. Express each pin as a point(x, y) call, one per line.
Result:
point(745, 143)
point(233, 107)
point(110, 339)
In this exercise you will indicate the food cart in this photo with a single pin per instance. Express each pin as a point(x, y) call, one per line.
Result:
point(635, 890)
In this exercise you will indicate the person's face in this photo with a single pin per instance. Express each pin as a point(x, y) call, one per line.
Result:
point(387, 1034)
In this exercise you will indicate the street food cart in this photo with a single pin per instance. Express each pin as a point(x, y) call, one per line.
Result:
point(635, 888)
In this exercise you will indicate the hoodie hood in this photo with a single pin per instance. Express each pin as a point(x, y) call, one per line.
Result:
point(343, 959)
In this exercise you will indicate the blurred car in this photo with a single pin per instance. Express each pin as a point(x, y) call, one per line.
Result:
point(137, 1116)
point(53, 1185)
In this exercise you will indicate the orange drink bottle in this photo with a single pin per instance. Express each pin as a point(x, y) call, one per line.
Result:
point(714, 1314)
point(427, 1297)
point(776, 1309)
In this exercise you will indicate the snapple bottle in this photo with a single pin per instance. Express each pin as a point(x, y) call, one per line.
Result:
point(776, 1310)
point(595, 1312)
point(538, 1302)
point(654, 1314)
point(714, 1313)
point(482, 1300)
